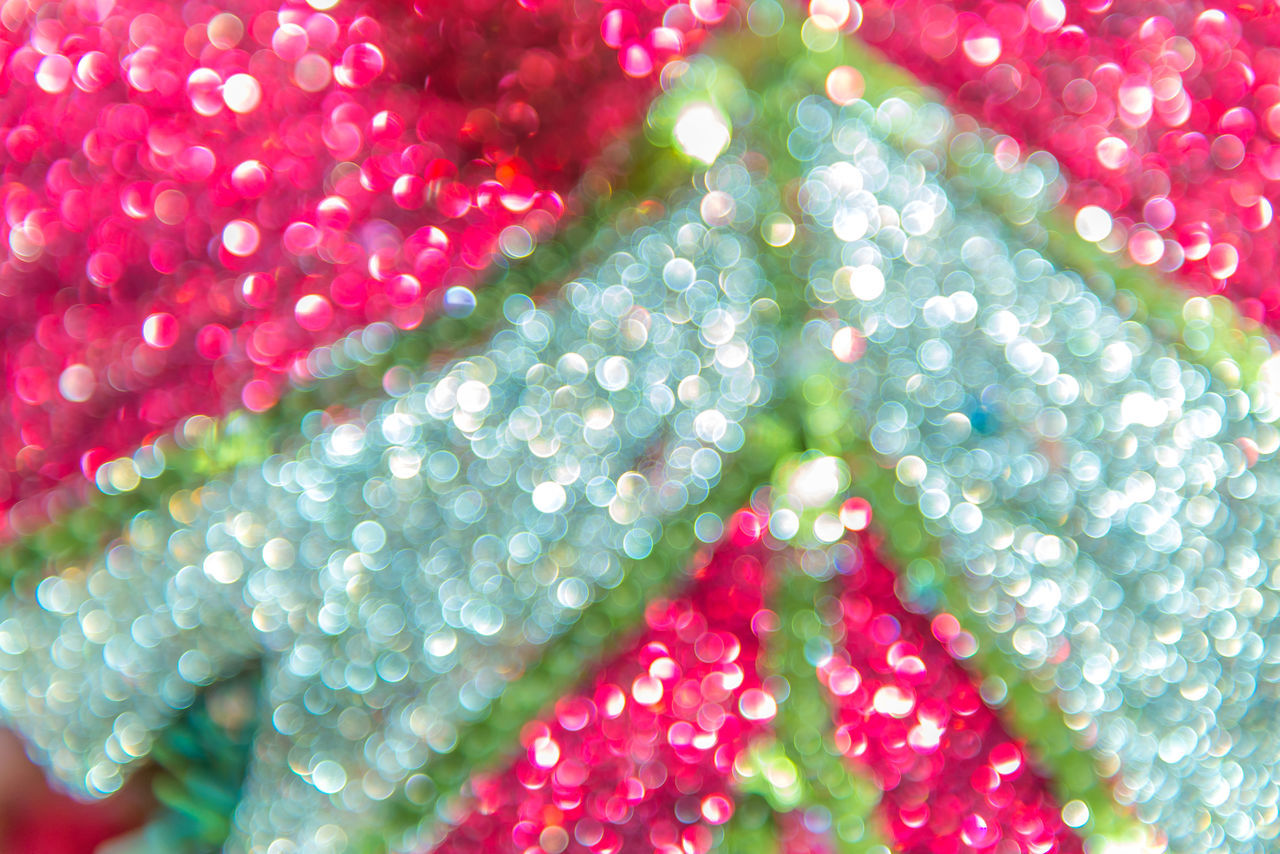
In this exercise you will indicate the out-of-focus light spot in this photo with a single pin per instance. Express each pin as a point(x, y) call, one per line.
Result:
point(716, 809)
point(816, 482)
point(845, 85)
point(1093, 223)
point(778, 229)
point(242, 93)
point(829, 14)
point(701, 132)
point(855, 514)
point(1075, 814)
point(1146, 247)
point(53, 73)
point(241, 238)
point(1113, 152)
point(76, 383)
point(314, 312)
point(549, 497)
point(757, 705)
point(1224, 260)
point(982, 46)
point(160, 330)
point(848, 344)
point(1046, 16)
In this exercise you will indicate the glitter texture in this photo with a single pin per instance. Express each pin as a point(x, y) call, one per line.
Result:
point(953, 779)
point(1166, 116)
point(1103, 496)
point(194, 198)
point(644, 755)
point(402, 561)
point(1002, 582)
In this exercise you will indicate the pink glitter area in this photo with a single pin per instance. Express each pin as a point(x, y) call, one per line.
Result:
point(954, 780)
point(1166, 116)
point(194, 197)
point(641, 758)
point(795, 837)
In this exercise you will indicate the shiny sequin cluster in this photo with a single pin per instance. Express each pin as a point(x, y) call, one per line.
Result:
point(1099, 489)
point(1166, 115)
point(1104, 497)
point(195, 195)
point(953, 779)
point(402, 561)
point(643, 756)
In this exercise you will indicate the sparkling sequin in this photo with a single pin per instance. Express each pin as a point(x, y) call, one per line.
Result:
point(953, 778)
point(1164, 114)
point(400, 563)
point(269, 177)
point(643, 755)
point(1104, 497)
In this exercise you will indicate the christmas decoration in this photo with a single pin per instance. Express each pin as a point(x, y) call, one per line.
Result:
point(664, 427)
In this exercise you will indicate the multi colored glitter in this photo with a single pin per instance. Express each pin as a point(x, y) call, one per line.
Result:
point(363, 563)
point(953, 779)
point(194, 197)
point(1166, 116)
point(1098, 490)
point(1002, 581)
point(643, 756)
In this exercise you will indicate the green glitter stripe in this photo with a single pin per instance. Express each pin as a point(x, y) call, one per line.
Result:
point(194, 825)
point(1034, 719)
point(1208, 331)
point(803, 726)
point(804, 722)
point(1028, 710)
point(1224, 341)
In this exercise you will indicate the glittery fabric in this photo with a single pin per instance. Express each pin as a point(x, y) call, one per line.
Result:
point(1165, 115)
point(397, 568)
point(953, 778)
point(195, 195)
point(1104, 499)
point(642, 756)
point(1099, 488)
